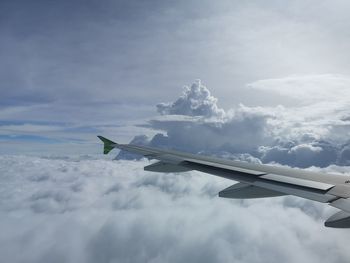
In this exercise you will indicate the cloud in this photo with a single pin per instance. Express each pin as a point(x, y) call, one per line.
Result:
point(313, 133)
point(196, 113)
point(215, 133)
point(302, 155)
point(308, 88)
point(90, 209)
point(195, 101)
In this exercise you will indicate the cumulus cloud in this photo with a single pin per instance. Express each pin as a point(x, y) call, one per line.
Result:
point(220, 132)
point(313, 133)
point(302, 155)
point(96, 210)
point(195, 101)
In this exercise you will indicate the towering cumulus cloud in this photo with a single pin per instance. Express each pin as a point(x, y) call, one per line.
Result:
point(313, 133)
point(195, 101)
point(195, 123)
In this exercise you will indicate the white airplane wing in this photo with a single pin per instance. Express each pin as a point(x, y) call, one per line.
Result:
point(255, 180)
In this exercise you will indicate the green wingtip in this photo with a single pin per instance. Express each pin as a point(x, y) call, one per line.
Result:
point(108, 145)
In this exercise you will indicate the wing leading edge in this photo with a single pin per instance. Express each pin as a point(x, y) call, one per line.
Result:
point(256, 180)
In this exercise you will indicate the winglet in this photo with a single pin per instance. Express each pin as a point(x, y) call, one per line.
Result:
point(108, 145)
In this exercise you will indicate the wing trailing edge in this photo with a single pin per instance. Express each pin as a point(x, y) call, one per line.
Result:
point(340, 219)
point(246, 191)
point(164, 167)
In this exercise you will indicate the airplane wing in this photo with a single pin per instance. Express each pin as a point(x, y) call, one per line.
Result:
point(255, 180)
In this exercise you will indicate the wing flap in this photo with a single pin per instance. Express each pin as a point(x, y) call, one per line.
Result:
point(339, 220)
point(241, 190)
point(297, 181)
point(163, 167)
point(290, 189)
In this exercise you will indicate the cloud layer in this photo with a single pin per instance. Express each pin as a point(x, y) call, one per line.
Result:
point(86, 209)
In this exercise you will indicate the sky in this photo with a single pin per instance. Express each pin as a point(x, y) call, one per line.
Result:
point(79, 67)
point(263, 82)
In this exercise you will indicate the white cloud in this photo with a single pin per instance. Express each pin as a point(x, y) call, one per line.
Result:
point(308, 88)
point(94, 210)
point(315, 132)
point(28, 128)
point(195, 101)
